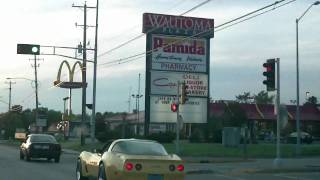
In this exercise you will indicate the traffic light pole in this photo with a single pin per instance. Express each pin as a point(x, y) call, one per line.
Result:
point(177, 123)
point(277, 161)
point(36, 89)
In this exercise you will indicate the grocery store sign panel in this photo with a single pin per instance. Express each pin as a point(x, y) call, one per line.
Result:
point(194, 111)
point(165, 83)
point(179, 54)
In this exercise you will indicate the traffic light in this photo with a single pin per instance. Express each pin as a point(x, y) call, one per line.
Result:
point(174, 107)
point(28, 49)
point(184, 93)
point(270, 74)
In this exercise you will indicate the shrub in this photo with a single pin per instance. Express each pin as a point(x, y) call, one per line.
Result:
point(166, 137)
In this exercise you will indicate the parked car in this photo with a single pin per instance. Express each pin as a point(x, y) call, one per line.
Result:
point(40, 146)
point(130, 159)
point(304, 137)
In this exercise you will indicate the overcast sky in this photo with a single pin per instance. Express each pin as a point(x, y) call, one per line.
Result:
point(236, 53)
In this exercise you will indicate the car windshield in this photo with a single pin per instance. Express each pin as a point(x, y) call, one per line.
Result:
point(42, 138)
point(140, 148)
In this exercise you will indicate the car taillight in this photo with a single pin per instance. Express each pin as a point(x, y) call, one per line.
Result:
point(180, 167)
point(172, 167)
point(128, 166)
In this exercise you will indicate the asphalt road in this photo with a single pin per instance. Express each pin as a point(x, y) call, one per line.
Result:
point(12, 168)
point(278, 176)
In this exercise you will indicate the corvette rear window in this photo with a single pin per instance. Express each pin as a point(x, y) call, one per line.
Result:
point(140, 148)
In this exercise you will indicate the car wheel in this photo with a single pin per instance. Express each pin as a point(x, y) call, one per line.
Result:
point(57, 159)
point(79, 171)
point(21, 155)
point(102, 172)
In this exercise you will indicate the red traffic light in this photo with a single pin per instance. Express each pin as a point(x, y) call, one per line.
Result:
point(174, 107)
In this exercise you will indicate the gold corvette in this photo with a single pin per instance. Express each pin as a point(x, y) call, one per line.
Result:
point(130, 159)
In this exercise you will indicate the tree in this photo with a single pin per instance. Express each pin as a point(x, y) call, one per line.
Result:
point(234, 116)
point(213, 129)
point(263, 98)
point(10, 122)
point(312, 100)
point(244, 98)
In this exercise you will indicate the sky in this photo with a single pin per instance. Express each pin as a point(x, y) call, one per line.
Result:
point(236, 54)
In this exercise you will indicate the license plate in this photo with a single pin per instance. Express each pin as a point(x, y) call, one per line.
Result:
point(41, 147)
point(155, 177)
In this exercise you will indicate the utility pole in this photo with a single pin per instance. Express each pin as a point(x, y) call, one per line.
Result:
point(84, 69)
point(129, 101)
point(10, 88)
point(35, 65)
point(138, 96)
point(277, 161)
point(93, 115)
point(178, 117)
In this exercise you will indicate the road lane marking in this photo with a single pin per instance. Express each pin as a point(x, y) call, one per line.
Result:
point(229, 177)
point(290, 177)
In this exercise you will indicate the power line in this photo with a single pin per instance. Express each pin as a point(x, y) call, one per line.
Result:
point(233, 21)
point(246, 19)
point(122, 60)
point(141, 35)
point(196, 7)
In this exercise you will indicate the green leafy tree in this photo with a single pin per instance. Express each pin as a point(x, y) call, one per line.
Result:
point(213, 129)
point(312, 100)
point(263, 98)
point(234, 116)
point(244, 98)
point(10, 122)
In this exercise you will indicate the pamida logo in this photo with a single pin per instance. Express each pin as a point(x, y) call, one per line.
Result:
point(179, 45)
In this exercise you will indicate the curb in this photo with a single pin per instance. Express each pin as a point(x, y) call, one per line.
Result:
point(219, 161)
point(203, 171)
point(281, 170)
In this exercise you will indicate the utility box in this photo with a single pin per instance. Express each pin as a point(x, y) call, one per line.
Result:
point(231, 136)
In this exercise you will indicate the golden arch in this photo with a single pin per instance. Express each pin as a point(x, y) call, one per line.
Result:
point(71, 71)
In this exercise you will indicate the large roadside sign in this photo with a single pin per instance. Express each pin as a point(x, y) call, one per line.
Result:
point(178, 51)
point(194, 111)
point(179, 54)
point(165, 83)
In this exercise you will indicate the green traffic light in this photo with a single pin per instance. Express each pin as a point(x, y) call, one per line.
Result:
point(28, 49)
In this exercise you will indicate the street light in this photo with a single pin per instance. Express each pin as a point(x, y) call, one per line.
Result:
point(297, 56)
point(137, 96)
point(64, 104)
point(22, 78)
point(64, 117)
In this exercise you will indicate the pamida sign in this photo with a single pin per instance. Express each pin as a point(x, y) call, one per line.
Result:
point(179, 54)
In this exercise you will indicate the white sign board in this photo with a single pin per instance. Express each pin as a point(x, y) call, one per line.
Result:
point(194, 111)
point(179, 54)
point(165, 83)
point(41, 122)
